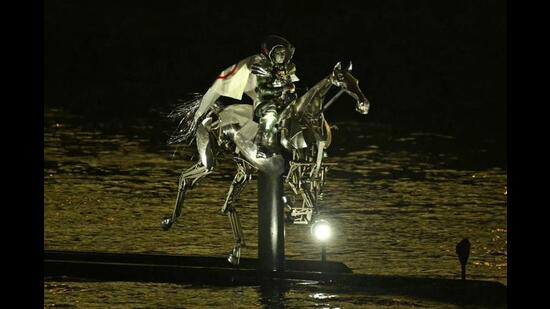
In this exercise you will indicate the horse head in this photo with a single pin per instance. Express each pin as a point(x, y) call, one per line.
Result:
point(342, 78)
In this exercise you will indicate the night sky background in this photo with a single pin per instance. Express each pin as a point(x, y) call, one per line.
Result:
point(438, 66)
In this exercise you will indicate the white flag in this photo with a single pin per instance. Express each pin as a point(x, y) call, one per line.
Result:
point(232, 82)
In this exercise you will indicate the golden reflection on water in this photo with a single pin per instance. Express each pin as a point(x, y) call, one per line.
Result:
point(397, 211)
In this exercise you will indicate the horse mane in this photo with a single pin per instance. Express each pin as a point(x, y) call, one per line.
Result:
point(303, 103)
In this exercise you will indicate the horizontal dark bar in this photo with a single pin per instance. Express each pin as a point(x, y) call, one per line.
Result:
point(198, 261)
point(66, 265)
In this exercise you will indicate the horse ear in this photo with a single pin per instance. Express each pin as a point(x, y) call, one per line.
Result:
point(338, 66)
point(350, 66)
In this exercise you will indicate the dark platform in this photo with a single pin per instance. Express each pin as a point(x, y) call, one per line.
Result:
point(66, 265)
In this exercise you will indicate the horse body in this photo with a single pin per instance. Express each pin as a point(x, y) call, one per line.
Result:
point(304, 133)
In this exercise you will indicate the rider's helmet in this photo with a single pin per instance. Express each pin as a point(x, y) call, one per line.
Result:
point(277, 49)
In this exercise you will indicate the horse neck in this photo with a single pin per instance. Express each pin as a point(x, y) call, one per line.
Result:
point(315, 95)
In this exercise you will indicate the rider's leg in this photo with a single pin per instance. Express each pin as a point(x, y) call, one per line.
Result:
point(239, 182)
point(267, 132)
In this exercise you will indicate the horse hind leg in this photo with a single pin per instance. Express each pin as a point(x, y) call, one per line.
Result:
point(234, 256)
point(239, 182)
point(187, 179)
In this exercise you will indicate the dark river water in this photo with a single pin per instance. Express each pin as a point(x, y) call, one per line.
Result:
point(399, 202)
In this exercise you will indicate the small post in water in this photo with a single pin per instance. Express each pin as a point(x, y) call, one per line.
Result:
point(463, 252)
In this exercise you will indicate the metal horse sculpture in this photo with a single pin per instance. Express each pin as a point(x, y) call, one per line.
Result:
point(304, 133)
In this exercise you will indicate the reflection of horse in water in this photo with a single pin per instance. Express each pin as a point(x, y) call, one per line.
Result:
point(304, 133)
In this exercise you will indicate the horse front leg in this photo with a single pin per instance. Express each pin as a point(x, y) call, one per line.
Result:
point(240, 180)
point(187, 179)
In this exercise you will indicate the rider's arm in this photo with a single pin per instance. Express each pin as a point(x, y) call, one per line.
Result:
point(266, 90)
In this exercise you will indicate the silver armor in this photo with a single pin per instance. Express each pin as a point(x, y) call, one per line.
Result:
point(297, 124)
point(275, 90)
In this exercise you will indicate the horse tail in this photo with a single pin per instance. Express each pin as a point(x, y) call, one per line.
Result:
point(184, 113)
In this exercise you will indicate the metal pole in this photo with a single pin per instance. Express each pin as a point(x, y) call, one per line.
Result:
point(323, 258)
point(271, 228)
point(271, 233)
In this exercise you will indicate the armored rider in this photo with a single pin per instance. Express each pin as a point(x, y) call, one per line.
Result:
point(275, 90)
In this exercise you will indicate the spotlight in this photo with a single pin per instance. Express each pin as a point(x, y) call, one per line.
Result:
point(321, 230)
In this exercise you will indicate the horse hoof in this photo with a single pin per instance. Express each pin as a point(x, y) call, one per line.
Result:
point(233, 259)
point(166, 223)
point(235, 256)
